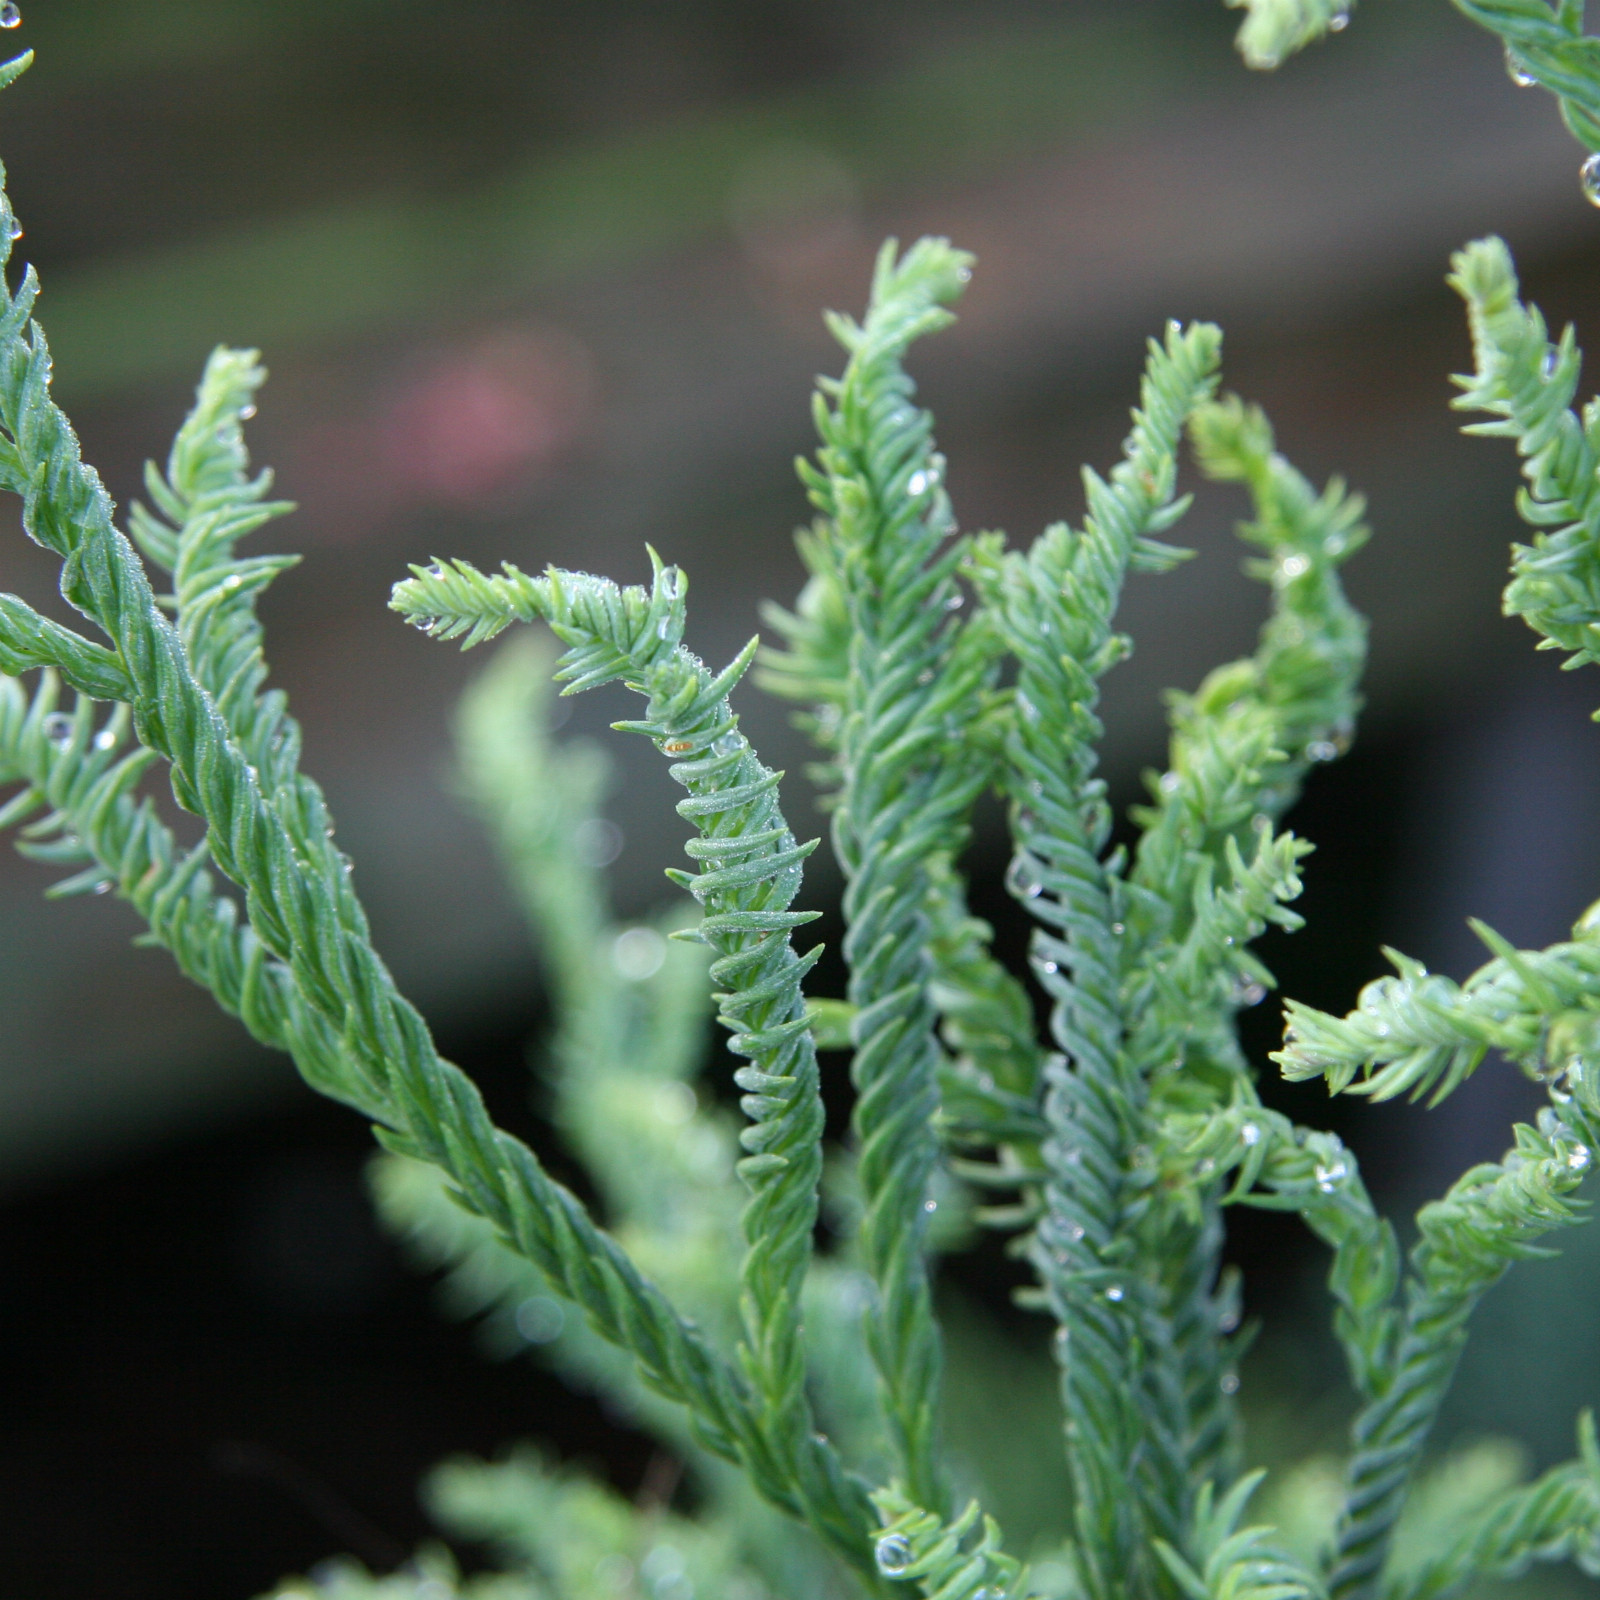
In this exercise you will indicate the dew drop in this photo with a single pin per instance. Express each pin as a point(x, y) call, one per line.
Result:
point(919, 483)
point(597, 842)
point(1021, 881)
point(10, 15)
point(1206, 1167)
point(1248, 992)
point(729, 744)
point(893, 1554)
point(1589, 178)
point(232, 583)
point(930, 1206)
point(1382, 1029)
point(1229, 1383)
point(1340, 20)
point(1047, 967)
point(1296, 566)
point(1516, 72)
point(638, 953)
point(103, 887)
point(1322, 750)
point(1075, 1232)
point(540, 1319)
point(955, 602)
point(1115, 1292)
point(105, 740)
point(14, 230)
point(1328, 1177)
point(1578, 1157)
point(1250, 1133)
point(1118, 929)
point(925, 678)
point(1228, 1322)
point(58, 729)
point(1170, 783)
point(1552, 360)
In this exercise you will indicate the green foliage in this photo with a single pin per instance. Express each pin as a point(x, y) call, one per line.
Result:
point(1274, 29)
point(797, 1383)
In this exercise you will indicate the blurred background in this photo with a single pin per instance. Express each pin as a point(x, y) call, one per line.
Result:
point(540, 280)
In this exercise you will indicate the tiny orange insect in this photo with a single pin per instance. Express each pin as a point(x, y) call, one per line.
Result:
point(677, 747)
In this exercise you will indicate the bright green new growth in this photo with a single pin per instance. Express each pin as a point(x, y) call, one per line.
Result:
point(798, 1386)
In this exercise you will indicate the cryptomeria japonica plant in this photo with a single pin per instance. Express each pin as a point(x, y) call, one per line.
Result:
point(799, 1387)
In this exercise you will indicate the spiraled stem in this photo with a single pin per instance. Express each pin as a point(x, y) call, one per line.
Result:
point(89, 785)
point(908, 778)
point(1489, 1219)
point(1122, 1379)
point(303, 907)
point(1388, 1436)
point(751, 873)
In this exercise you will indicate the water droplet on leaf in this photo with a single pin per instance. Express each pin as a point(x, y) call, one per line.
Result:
point(58, 729)
point(105, 740)
point(246, 412)
point(10, 15)
point(1295, 566)
point(1229, 1383)
point(1250, 1133)
point(1578, 1157)
point(1322, 750)
point(728, 744)
point(893, 1554)
point(1248, 992)
point(1589, 177)
point(1022, 881)
point(1328, 1177)
point(637, 953)
point(597, 841)
point(1340, 20)
point(1516, 72)
point(1115, 1292)
point(540, 1319)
